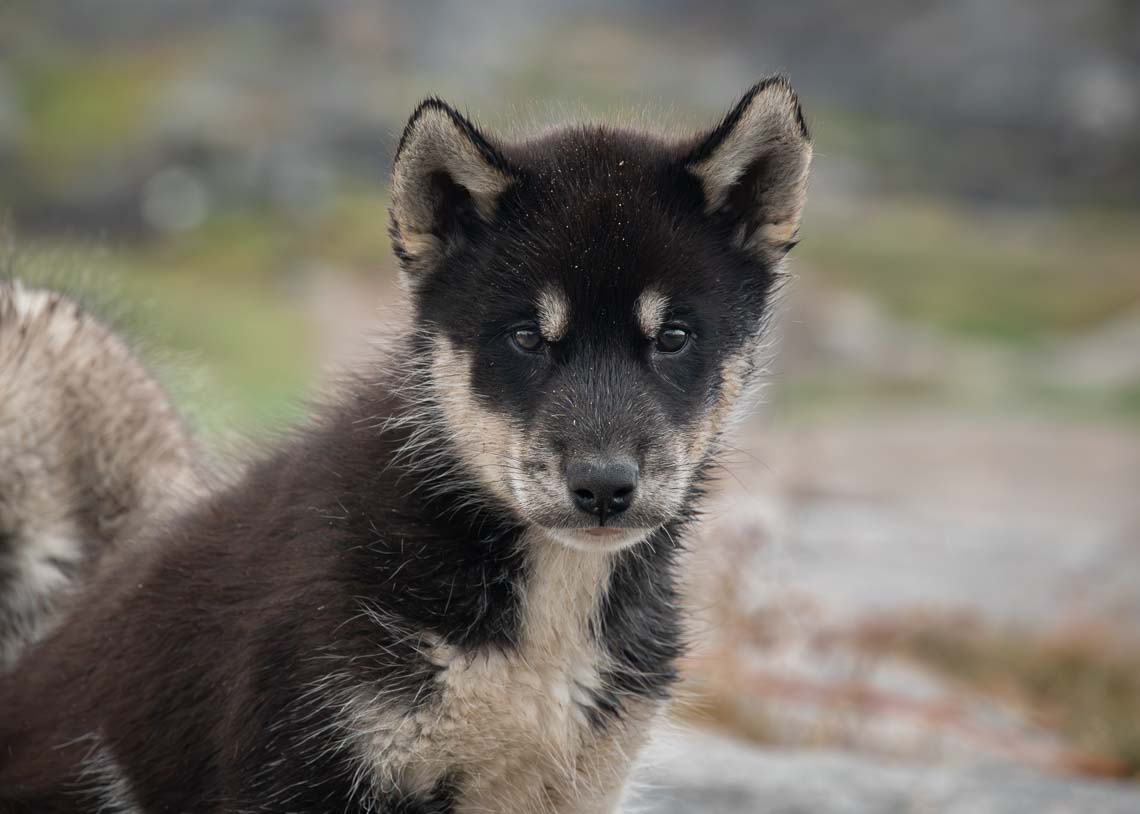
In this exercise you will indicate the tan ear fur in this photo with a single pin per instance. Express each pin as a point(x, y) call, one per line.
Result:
point(754, 167)
point(442, 160)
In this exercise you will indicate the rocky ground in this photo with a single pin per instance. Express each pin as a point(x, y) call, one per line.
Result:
point(702, 773)
point(856, 528)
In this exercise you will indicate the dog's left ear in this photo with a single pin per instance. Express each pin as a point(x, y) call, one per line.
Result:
point(446, 183)
point(753, 168)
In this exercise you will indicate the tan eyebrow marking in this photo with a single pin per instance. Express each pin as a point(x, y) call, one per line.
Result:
point(650, 309)
point(553, 314)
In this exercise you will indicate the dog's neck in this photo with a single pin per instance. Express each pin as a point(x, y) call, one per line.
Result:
point(564, 590)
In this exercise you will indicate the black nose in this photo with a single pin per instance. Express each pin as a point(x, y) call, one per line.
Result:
point(602, 488)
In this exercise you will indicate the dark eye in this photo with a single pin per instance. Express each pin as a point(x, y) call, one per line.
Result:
point(527, 339)
point(671, 340)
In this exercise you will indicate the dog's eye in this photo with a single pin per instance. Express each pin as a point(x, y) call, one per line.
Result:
point(671, 340)
point(527, 339)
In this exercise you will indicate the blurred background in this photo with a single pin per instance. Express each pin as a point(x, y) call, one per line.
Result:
point(926, 549)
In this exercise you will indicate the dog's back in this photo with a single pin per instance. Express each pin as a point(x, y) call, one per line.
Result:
point(90, 451)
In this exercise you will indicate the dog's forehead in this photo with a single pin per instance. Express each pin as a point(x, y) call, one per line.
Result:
point(599, 220)
point(596, 155)
point(599, 270)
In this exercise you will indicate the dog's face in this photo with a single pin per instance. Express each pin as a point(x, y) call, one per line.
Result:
point(592, 299)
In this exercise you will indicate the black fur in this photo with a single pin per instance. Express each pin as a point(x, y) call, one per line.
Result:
point(195, 662)
point(211, 664)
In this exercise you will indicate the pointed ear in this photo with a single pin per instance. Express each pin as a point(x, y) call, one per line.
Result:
point(753, 168)
point(446, 183)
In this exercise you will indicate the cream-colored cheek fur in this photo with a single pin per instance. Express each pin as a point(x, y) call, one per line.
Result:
point(484, 439)
point(735, 380)
point(513, 723)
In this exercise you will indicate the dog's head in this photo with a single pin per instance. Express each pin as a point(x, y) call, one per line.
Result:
point(591, 300)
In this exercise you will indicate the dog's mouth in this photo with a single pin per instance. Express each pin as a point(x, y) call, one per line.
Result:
point(599, 538)
point(603, 533)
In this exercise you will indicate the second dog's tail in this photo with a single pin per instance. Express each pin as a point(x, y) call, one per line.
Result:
point(91, 452)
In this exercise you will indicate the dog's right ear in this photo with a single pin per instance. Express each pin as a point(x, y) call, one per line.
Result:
point(447, 181)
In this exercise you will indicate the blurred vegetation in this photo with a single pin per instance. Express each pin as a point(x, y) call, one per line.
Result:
point(81, 109)
point(1088, 688)
point(982, 273)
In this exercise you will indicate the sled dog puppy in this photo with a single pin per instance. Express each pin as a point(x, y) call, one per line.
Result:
point(454, 590)
point(90, 452)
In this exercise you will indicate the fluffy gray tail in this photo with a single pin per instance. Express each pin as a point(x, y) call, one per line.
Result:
point(91, 452)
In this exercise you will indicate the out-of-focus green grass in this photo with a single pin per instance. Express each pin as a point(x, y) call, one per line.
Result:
point(235, 354)
point(800, 395)
point(984, 274)
point(1003, 293)
point(222, 309)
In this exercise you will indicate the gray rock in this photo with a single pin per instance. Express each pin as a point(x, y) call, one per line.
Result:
point(709, 774)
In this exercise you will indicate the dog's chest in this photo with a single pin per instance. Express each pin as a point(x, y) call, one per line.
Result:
point(517, 721)
point(521, 728)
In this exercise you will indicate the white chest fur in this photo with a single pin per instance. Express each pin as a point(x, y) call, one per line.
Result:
point(515, 724)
